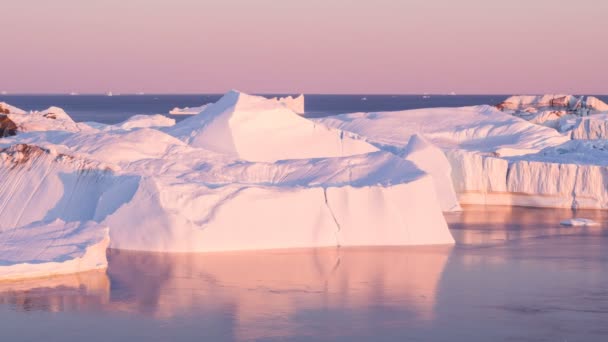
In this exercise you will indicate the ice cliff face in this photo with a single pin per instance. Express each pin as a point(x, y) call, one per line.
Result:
point(497, 158)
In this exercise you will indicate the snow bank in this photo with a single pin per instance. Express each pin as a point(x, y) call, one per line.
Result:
point(53, 248)
point(257, 129)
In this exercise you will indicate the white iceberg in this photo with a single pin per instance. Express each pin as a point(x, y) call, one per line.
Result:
point(432, 160)
point(375, 199)
point(53, 248)
point(578, 222)
point(591, 127)
point(247, 173)
point(258, 129)
point(296, 104)
point(14, 120)
point(188, 110)
point(579, 104)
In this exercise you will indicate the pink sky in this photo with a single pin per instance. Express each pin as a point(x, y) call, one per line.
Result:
point(312, 46)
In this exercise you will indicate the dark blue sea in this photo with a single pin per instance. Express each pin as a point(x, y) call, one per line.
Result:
point(114, 109)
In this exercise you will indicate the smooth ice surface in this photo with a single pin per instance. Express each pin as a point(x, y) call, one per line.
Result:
point(514, 274)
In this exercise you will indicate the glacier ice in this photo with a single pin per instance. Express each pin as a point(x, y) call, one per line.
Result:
point(246, 173)
point(258, 129)
point(52, 248)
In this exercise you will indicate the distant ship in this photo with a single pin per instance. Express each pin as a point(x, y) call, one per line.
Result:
point(74, 93)
point(426, 96)
point(109, 93)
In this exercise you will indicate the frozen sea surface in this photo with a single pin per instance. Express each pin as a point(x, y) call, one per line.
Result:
point(515, 274)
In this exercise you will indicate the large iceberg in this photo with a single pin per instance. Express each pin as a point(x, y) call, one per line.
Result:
point(495, 157)
point(582, 105)
point(246, 173)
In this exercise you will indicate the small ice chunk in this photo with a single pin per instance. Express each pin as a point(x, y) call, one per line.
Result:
point(577, 222)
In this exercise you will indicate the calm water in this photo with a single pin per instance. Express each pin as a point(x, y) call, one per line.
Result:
point(514, 275)
point(115, 109)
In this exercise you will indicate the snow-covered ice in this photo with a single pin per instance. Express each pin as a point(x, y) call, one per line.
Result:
point(495, 157)
point(258, 129)
point(52, 248)
point(188, 110)
point(246, 173)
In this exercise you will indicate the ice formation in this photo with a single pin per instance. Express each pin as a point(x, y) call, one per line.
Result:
point(577, 222)
point(582, 105)
point(257, 129)
point(495, 157)
point(188, 110)
point(432, 160)
point(296, 104)
point(53, 248)
point(246, 173)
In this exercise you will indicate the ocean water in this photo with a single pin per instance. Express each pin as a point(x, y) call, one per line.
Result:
point(114, 109)
point(515, 274)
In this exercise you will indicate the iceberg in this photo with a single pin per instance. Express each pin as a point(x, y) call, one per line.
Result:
point(258, 129)
point(248, 173)
point(349, 201)
point(14, 120)
point(432, 160)
point(52, 248)
point(188, 110)
point(582, 105)
point(295, 104)
point(495, 158)
point(591, 127)
point(577, 222)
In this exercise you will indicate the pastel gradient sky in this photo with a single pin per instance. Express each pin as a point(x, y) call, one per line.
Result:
point(312, 46)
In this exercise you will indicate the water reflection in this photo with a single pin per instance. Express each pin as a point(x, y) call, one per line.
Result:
point(496, 225)
point(514, 274)
point(87, 290)
point(260, 292)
